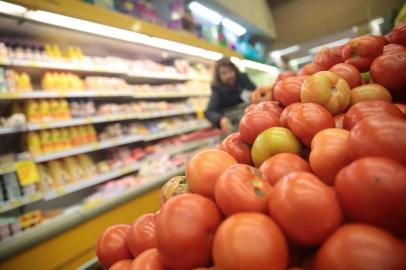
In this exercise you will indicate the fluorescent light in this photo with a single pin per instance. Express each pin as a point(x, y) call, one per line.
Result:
point(331, 44)
point(120, 34)
point(301, 60)
point(288, 50)
point(205, 13)
point(11, 9)
point(233, 27)
point(258, 66)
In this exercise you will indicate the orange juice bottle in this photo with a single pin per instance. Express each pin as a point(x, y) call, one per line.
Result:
point(48, 50)
point(54, 109)
point(83, 137)
point(56, 51)
point(44, 110)
point(46, 81)
point(74, 136)
point(25, 82)
point(32, 111)
point(33, 143)
point(65, 138)
point(64, 109)
point(91, 133)
point(56, 139)
point(46, 141)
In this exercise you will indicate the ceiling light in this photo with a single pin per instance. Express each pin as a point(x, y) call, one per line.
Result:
point(234, 27)
point(331, 44)
point(288, 50)
point(205, 13)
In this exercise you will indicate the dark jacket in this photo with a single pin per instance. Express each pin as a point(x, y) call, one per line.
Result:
point(223, 96)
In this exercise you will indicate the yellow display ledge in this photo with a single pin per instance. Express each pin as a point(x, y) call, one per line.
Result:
point(85, 11)
point(68, 241)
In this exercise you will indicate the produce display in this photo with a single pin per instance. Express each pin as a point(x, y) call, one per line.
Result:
point(313, 180)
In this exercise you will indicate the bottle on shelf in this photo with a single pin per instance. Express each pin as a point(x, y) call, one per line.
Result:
point(34, 143)
point(56, 139)
point(64, 113)
point(58, 173)
point(32, 111)
point(44, 110)
point(46, 141)
point(73, 169)
point(65, 138)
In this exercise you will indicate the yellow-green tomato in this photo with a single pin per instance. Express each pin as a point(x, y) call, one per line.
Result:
point(273, 141)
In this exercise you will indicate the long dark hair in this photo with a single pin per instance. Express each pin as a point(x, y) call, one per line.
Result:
point(224, 62)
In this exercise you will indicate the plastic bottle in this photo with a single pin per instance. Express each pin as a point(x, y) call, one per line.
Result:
point(32, 111)
point(91, 132)
point(83, 136)
point(74, 136)
point(44, 110)
point(25, 82)
point(64, 109)
point(54, 109)
point(33, 143)
point(65, 139)
point(46, 141)
point(56, 139)
point(87, 164)
point(47, 81)
point(58, 173)
point(73, 169)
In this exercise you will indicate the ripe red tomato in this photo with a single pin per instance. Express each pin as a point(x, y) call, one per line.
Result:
point(271, 106)
point(242, 188)
point(149, 259)
point(262, 93)
point(388, 70)
point(285, 74)
point(349, 73)
point(253, 123)
point(364, 109)
point(122, 265)
point(235, 146)
point(285, 113)
point(329, 153)
point(393, 48)
point(112, 245)
point(204, 168)
point(373, 190)
point(287, 91)
point(305, 208)
point(401, 107)
point(142, 234)
point(310, 69)
point(398, 34)
point(379, 135)
point(327, 57)
point(249, 241)
point(361, 247)
point(306, 119)
point(371, 91)
point(184, 231)
point(280, 165)
point(339, 120)
point(361, 51)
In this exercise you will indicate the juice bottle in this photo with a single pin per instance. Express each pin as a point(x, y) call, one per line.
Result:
point(73, 169)
point(46, 81)
point(44, 110)
point(48, 50)
point(56, 139)
point(87, 164)
point(54, 109)
point(33, 143)
point(74, 136)
point(91, 133)
point(56, 51)
point(64, 109)
point(65, 138)
point(58, 173)
point(83, 136)
point(25, 82)
point(46, 141)
point(64, 81)
point(32, 111)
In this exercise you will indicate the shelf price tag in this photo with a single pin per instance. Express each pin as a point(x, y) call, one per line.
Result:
point(27, 172)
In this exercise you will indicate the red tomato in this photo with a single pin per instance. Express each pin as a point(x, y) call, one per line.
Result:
point(271, 106)
point(149, 260)
point(401, 107)
point(349, 73)
point(249, 241)
point(329, 153)
point(364, 109)
point(373, 190)
point(280, 165)
point(122, 265)
point(398, 34)
point(393, 48)
point(142, 234)
point(112, 245)
point(389, 71)
point(204, 168)
point(380, 135)
point(327, 57)
point(184, 231)
point(285, 113)
point(361, 51)
point(371, 91)
point(309, 69)
point(253, 123)
point(262, 93)
point(285, 74)
point(235, 146)
point(339, 119)
point(242, 188)
point(361, 247)
point(287, 91)
point(306, 119)
point(305, 208)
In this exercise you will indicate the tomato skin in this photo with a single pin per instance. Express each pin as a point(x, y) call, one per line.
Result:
point(364, 109)
point(142, 234)
point(274, 141)
point(204, 168)
point(305, 208)
point(371, 91)
point(388, 71)
point(361, 247)
point(287, 91)
point(326, 58)
point(242, 188)
point(253, 123)
point(285, 74)
point(280, 165)
point(310, 69)
point(327, 89)
point(373, 190)
point(361, 51)
point(122, 265)
point(349, 73)
point(393, 48)
point(306, 119)
point(249, 241)
point(271, 106)
point(149, 259)
point(235, 146)
point(184, 230)
point(379, 135)
point(112, 245)
point(398, 34)
point(329, 153)
point(262, 93)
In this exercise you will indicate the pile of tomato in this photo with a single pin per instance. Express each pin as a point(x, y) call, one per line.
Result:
point(315, 179)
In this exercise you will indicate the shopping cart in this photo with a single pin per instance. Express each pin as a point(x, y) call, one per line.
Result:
point(234, 114)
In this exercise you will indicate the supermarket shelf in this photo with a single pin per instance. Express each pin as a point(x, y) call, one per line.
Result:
point(87, 93)
point(18, 202)
point(175, 132)
point(66, 189)
point(89, 148)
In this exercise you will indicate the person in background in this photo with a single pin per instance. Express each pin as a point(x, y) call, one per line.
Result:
point(229, 88)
